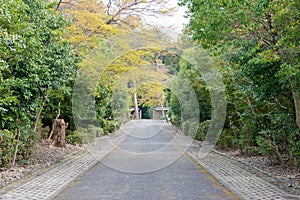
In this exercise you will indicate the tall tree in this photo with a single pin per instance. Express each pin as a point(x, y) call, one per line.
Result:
point(252, 41)
point(34, 59)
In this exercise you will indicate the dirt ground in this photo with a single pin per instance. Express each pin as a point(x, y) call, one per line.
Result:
point(289, 175)
point(44, 156)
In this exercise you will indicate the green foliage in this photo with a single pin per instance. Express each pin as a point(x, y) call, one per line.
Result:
point(256, 46)
point(33, 53)
point(108, 126)
point(199, 87)
point(77, 138)
point(92, 132)
point(26, 143)
point(186, 127)
point(83, 135)
point(99, 131)
point(190, 127)
point(7, 147)
point(274, 142)
point(34, 59)
point(202, 130)
point(170, 58)
point(58, 101)
point(175, 111)
point(104, 125)
point(8, 144)
point(112, 126)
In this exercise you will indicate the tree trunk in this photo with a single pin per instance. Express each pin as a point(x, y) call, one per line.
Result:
point(18, 133)
point(136, 107)
point(163, 111)
point(59, 129)
point(38, 114)
point(296, 97)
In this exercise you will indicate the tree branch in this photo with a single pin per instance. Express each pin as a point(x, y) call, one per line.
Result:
point(60, 2)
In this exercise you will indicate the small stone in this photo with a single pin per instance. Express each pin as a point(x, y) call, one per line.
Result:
point(289, 183)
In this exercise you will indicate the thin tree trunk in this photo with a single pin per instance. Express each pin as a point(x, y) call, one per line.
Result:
point(38, 115)
point(16, 147)
point(136, 107)
point(59, 4)
point(163, 111)
point(37, 119)
point(296, 97)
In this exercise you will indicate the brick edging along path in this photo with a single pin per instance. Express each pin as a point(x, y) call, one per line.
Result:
point(245, 184)
point(49, 184)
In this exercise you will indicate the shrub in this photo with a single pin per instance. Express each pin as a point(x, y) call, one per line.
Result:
point(202, 130)
point(26, 143)
point(276, 144)
point(91, 133)
point(104, 125)
point(82, 130)
point(74, 138)
point(45, 132)
point(7, 143)
point(175, 120)
point(99, 131)
point(121, 120)
point(112, 126)
point(78, 138)
point(229, 138)
point(185, 127)
point(189, 127)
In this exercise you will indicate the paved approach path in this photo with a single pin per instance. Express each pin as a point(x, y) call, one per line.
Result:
point(146, 160)
point(147, 165)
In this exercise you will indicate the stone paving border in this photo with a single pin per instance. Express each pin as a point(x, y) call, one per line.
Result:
point(52, 182)
point(244, 184)
point(47, 185)
point(279, 183)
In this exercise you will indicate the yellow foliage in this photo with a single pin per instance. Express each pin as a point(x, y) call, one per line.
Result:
point(88, 25)
point(152, 93)
point(114, 54)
